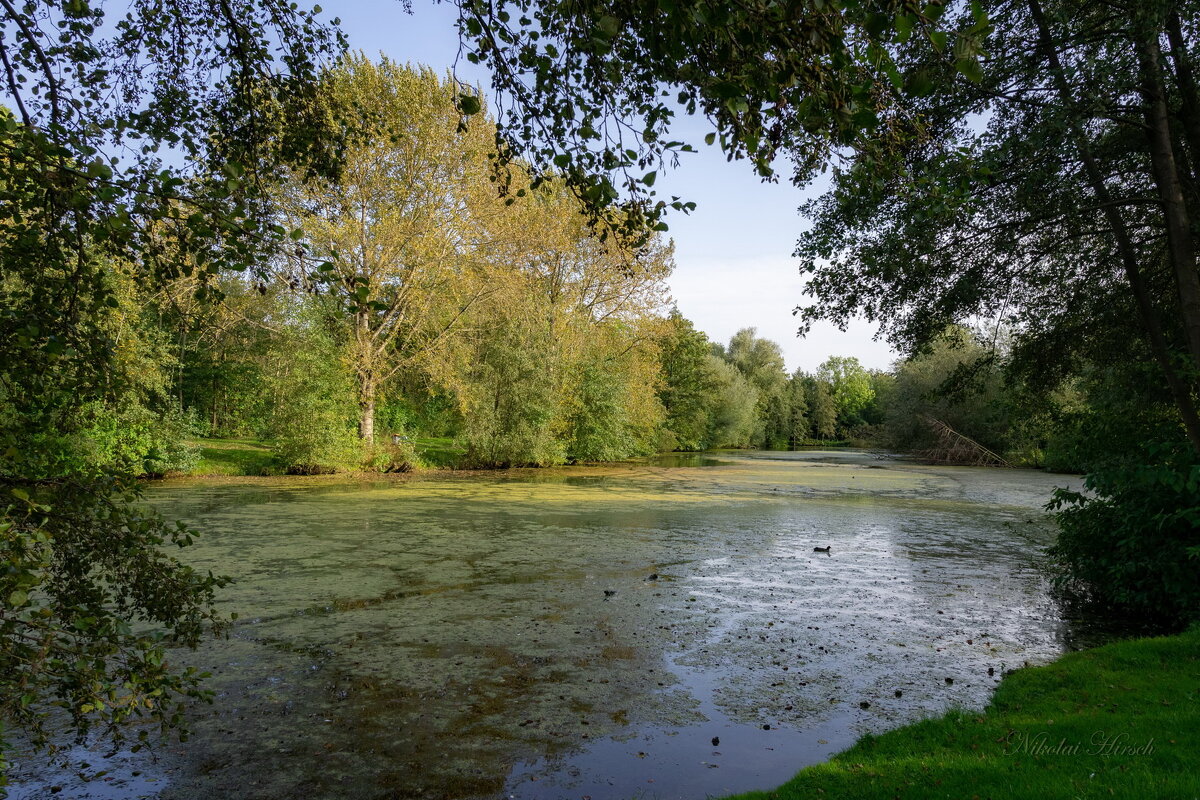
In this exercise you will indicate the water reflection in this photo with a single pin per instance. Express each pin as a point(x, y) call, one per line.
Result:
point(589, 631)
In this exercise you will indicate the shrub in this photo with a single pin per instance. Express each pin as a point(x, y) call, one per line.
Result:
point(315, 411)
point(134, 439)
point(312, 437)
point(400, 456)
point(1131, 542)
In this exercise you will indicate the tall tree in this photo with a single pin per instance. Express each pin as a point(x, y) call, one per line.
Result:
point(955, 382)
point(1059, 194)
point(822, 410)
point(572, 323)
point(849, 384)
point(761, 363)
point(687, 383)
point(733, 420)
point(398, 230)
point(144, 142)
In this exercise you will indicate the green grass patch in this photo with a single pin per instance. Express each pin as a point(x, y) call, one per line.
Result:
point(822, 443)
point(439, 451)
point(1122, 720)
point(233, 457)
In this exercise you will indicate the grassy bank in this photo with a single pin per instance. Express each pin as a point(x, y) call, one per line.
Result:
point(1121, 720)
point(440, 452)
point(256, 457)
point(233, 457)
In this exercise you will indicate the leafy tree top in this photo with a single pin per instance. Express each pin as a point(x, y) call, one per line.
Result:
point(594, 88)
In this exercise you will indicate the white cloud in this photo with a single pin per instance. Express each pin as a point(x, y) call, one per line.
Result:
point(721, 297)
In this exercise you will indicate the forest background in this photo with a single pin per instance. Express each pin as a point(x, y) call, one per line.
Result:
point(425, 318)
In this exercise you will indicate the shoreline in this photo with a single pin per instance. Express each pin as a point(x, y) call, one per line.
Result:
point(1121, 719)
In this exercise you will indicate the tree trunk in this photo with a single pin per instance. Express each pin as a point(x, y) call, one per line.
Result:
point(366, 377)
point(1186, 80)
point(1180, 247)
point(366, 405)
point(1180, 390)
point(213, 427)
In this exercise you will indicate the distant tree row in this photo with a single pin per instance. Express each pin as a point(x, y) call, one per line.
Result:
point(429, 294)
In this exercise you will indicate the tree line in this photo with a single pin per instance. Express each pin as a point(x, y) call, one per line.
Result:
point(415, 299)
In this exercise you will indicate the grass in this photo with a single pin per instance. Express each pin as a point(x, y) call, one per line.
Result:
point(1043, 736)
point(254, 457)
point(821, 443)
point(233, 457)
point(439, 452)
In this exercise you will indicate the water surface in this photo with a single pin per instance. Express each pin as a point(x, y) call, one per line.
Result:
point(589, 632)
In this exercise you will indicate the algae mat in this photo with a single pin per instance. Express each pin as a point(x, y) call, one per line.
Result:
point(639, 630)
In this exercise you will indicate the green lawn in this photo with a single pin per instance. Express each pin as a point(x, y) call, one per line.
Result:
point(233, 457)
point(254, 457)
point(1122, 720)
point(439, 452)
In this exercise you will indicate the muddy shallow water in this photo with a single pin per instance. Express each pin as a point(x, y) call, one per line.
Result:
point(659, 630)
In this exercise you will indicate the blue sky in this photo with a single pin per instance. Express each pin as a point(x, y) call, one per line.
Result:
point(733, 254)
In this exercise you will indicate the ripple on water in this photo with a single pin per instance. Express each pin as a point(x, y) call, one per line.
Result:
point(499, 635)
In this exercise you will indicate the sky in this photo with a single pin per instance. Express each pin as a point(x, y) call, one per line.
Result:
point(734, 266)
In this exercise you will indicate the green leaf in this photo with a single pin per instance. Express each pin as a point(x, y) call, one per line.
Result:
point(877, 23)
point(469, 104)
point(609, 26)
point(919, 84)
point(98, 169)
point(18, 598)
point(970, 68)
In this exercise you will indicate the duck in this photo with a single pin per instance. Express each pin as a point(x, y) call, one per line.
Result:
point(824, 549)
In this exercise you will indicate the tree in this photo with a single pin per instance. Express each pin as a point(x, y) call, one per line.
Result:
point(615, 413)
point(883, 385)
point(850, 386)
point(142, 143)
point(732, 418)
point(956, 382)
point(219, 348)
point(761, 363)
point(822, 411)
point(398, 231)
point(581, 86)
point(687, 382)
point(1069, 213)
point(561, 358)
point(798, 423)
point(311, 394)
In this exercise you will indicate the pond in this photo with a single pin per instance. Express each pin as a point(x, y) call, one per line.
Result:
point(662, 629)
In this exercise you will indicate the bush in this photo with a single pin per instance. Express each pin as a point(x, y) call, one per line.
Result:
point(312, 437)
point(600, 428)
point(314, 416)
point(395, 457)
point(1118, 418)
point(134, 439)
point(1131, 543)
